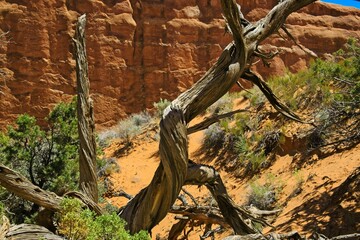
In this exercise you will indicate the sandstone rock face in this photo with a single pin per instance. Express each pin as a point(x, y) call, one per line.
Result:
point(138, 50)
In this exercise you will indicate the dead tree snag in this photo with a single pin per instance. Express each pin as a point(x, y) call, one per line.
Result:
point(147, 208)
point(86, 125)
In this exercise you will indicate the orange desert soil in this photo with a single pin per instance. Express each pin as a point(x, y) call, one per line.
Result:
point(304, 212)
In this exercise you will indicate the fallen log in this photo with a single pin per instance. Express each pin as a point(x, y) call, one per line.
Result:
point(30, 232)
point(22, 187)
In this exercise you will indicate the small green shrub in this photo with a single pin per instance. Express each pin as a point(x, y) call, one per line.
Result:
point(339, 111)
point(2, 212)
point(268, 142)
point(326, 82)
point(241, 137)
point(255, 96)
point(262, 196)
point(108, 226)
point(160, 106)
point(111, 166)
point(223, 105)
point(299, 178)
point(241, 145)
point(141, 119)
point(73, 221)
point(256, 161)
point(76, 223)
point(104, 137)
point(329, 90)
point(126, 128)
point(215, 136)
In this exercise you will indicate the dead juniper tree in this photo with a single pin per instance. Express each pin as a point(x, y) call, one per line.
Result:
point(152, 204)
point(175, 170)
point(86, 124)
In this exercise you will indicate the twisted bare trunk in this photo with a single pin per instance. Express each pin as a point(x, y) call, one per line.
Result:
point(86, 125)
point(151, 205)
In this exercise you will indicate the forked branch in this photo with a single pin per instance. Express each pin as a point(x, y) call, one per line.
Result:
point(151, 205)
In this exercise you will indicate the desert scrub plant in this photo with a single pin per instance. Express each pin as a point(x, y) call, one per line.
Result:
point(126, 129)
point(324, 81)
point(2, 212)
point(255, 96)
point(262, 196)
point(131, 126)
point(238, 137)
point(72, 221)
point(246, 142)
point(223, 105)
point(329, 92)
point(265, 196)
point(160, 107)
point(255, 161)
point(111, 226)
point(268, 142)
point(241, 145)
point(141, 119)
point(214, 137)
point(104, 138)
point(299, 178)
point(338, 121)
point(76, 223)
point(110, 166)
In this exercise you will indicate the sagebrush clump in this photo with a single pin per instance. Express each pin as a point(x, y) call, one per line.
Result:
point(160, 106)
point(126, 129)
point(328, 92)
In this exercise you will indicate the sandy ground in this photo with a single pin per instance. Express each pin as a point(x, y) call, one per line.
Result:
point(304, 211)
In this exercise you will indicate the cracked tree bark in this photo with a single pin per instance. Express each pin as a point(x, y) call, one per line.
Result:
point(86, 125)
point(19, 185)
point(151, 205)
point(22, 187)
point(205, 175)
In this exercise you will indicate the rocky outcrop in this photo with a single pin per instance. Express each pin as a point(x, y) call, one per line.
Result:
point(138, 50)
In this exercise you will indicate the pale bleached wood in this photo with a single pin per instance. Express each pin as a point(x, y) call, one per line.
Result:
point(22, 187)
point(30, 232)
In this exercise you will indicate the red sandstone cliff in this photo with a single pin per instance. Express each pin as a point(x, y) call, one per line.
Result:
point(138, 50)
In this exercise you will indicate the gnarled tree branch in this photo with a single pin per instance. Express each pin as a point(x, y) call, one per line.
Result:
point(150, 206)
point(22, 187)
